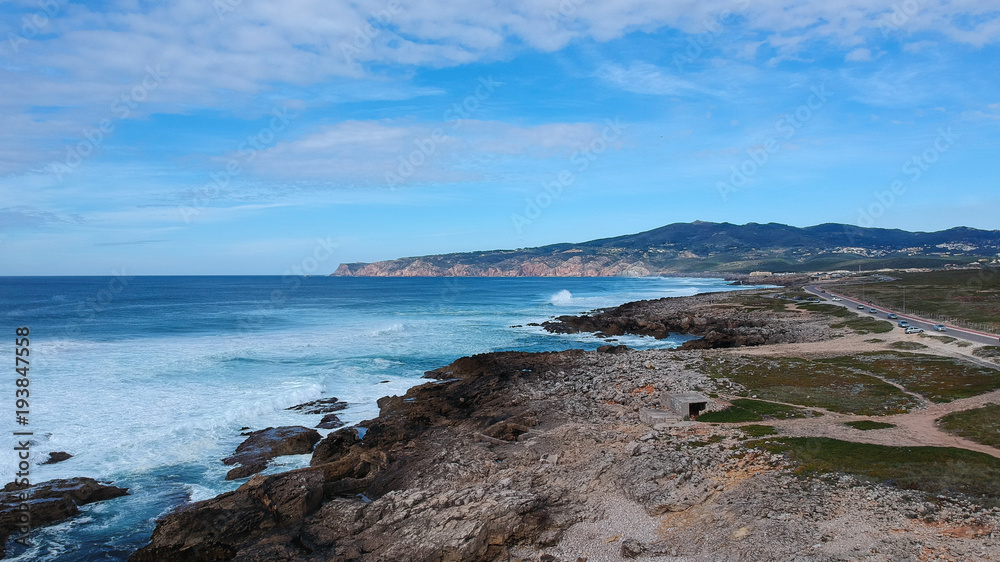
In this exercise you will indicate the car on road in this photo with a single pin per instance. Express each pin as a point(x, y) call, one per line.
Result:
point(861, 307)
point(914, 330)
point(904, 324)
point(892, 316)
point(872, 310)
point(940, 328)
point(836, 299)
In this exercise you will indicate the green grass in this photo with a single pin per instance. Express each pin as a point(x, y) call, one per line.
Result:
point(907, 345)
point(746, 410)
point(970, 295)
point(758, 430)
point(874, 340)
point(865, 325)
point(939, 379)
point(812, 384)
point(868, 425)
point(828, 309)
point(981, 424)
point(935, 470)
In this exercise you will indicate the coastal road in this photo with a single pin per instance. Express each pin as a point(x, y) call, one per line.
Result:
point(928, 325)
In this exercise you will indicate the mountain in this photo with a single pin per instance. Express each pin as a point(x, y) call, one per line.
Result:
point(707, 248)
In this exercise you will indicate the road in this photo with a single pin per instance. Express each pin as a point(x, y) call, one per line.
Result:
point(927, 325)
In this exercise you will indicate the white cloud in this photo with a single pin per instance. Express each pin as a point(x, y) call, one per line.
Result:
point(644, 78)
point(231, 59)
point(859, 54)
point(369, 152)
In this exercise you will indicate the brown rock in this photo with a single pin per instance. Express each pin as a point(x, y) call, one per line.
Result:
point(57, 456)
point(214, 529)
point(262, 446)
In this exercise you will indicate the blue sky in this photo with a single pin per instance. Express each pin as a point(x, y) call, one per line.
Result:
point(252, 137)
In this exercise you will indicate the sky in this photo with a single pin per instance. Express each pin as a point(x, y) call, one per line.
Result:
point(256, 137)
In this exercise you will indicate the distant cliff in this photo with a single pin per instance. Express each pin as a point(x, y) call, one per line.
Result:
point(706, 248)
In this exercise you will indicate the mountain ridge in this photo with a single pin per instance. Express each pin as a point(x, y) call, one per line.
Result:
point(701, 247)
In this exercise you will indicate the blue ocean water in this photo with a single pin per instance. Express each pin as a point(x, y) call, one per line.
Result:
point(148, 381)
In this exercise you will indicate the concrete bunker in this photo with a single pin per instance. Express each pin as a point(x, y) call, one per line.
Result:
point(685, 404)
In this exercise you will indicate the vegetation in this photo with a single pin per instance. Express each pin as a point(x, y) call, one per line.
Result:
point(758, 430)
point(969, 295)
point(907, 345)
point(981, 424)
point(828, 309)
point(987, 351)
point(934, 470)
point(745, 410)
point(812, 383)
point(942, 339)
point(938, 379)
point(868, 425)
point(865, 325)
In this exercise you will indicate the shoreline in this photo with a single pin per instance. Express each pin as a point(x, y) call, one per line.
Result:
point(527, 455)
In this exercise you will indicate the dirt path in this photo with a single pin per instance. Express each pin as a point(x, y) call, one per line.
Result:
point(916, 428)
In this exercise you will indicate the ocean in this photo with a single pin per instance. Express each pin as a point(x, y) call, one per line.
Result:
point(147, 381)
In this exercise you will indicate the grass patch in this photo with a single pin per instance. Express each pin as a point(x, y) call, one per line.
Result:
point(907, 345)
point(987, 352)
point(753, 303)
point(865, 325)
point(935, 470)
point(939, 379)
point(745, 410)
point(868, 425)
point(981, 425)
point(812, 384)
point(758, 430)
point(942, 339)
point(970, 295)
point(828, 309)
point(874, 340)
point(964, 344)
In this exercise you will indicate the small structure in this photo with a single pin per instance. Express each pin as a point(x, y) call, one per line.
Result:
point(685, 404)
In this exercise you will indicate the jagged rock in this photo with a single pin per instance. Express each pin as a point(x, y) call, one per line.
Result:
point(49, 502)
point(334, 446)
point(57, 456)
point(330, 421)
point(215, 529)
point(262, 446)
point(321, 406)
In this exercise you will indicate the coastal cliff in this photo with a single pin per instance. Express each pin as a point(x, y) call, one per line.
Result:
point(703, 248)
point(568, 456)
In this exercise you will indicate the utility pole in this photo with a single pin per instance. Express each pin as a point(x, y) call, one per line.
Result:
point(904, 299)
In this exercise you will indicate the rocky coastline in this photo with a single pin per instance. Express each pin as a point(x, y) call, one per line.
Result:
point(553, 456)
